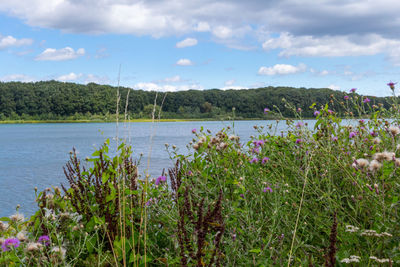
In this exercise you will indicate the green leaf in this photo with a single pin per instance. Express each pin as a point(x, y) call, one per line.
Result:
point(255, 250)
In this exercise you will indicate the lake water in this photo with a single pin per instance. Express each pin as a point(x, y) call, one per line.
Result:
point(33, 155)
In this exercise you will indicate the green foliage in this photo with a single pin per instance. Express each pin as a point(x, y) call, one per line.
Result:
point(68, 101)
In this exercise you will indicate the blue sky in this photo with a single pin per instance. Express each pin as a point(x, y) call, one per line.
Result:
point(191, 44)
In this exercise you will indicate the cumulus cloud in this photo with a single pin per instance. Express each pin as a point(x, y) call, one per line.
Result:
point(17, 78)
point(69, 77)
point(67, 53)
point(230, 82)
point(331, 46)
point(10, 41)
point(148, 86)
point(184, 62)
point(173, 79)
point(186, 43)
point(334, 87)
point(281, 69)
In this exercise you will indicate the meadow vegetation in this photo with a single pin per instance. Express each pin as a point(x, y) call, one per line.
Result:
point(321, 196)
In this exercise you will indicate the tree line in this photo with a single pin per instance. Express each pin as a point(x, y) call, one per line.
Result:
point(53, 100)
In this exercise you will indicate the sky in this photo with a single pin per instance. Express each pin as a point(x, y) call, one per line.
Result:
point(178, 45)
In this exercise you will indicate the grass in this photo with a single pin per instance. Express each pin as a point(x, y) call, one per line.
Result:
point(310, 197)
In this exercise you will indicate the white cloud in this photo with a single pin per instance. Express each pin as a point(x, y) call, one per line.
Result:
point(202, 27)
point(173, 79)
point(222, 32)
point(10, 41)
point(184, 62)
point(331, 46)
point(334, 87)
point(67, 53)
point(230, 82)
point(186, 43)
point(92, 78)
point(235, 87)
point(319, 73)
point(281, 69)
point(69, 77)
point(17, 78)
point(165, 88)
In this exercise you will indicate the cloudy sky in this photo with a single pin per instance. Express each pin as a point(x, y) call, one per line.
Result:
point(191, 44)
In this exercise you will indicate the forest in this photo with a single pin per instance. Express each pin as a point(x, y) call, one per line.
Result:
point(53, 100)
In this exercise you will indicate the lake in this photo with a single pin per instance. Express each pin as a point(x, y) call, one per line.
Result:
point(33, 155)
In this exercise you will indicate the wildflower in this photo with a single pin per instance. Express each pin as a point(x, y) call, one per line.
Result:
point(44, 239)
point(255, 150)
point(379, 260)
point(351, 259)
point(298, 141)
point(352, 229)
point(194, 130)
point(254, 160)
point(389, 155)
point(33, 246)
point(330, 111)
point(3, 226)
point(299, 124)
point(352, 134)
point(160, 179)
point(353, 90)
point(377, 140)
point(266, 110)
point(265, 160)
point(316, 113)
point(196, 146)
point(362, 163)
point(267, 189)
point(148, 203)
point(59, 250)
point(346, 97)
point(366, 100)
point(18, 217)
point(369, 187)
point(376, 189)
point(21, 236)
point(391, 85)
point(10, 242)
point(394, 130)
point(334, 138)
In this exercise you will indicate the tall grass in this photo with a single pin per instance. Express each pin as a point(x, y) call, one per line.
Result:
point(310, 196)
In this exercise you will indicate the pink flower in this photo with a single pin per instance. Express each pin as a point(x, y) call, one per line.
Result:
point(160, 179)
point(266, 110)
point(352, 134)
point(316, 113)
point(353, 90)
point(10, 242)
point(194, 130)
point(391, 85)
point(366, 100)
point(267, 189)
point(265, 160)
point(254, 160)
point(346, 97)
point(298, 141)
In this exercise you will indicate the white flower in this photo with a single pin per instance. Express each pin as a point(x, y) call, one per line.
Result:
point(33, 246)
point(3, 226)
point(60, 250)
point(394, 130)
point(362, 163)
point(374, 165)
point(21, 236)
point(351, 259)
point(351, 228)
point(379, 260)
point(18, 217)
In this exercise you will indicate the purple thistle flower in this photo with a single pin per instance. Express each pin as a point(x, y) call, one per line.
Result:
point(391, 85)
point(366, 100)
point(330, 111)
point(265, 160)
point(160, 179)
point(299, 124)
point(254, 160)
point(334, 139)
point(352, 134)
point(266, 110)
point(255, 150)
point(44, 239)
point(267, 189)
point(260, 142)
point(353, 90)
point(10, 242)
point(316, 113)
point(346, 97)
point(194, 130)
point(373, 133)
point(149, 202)
point(298, 141)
